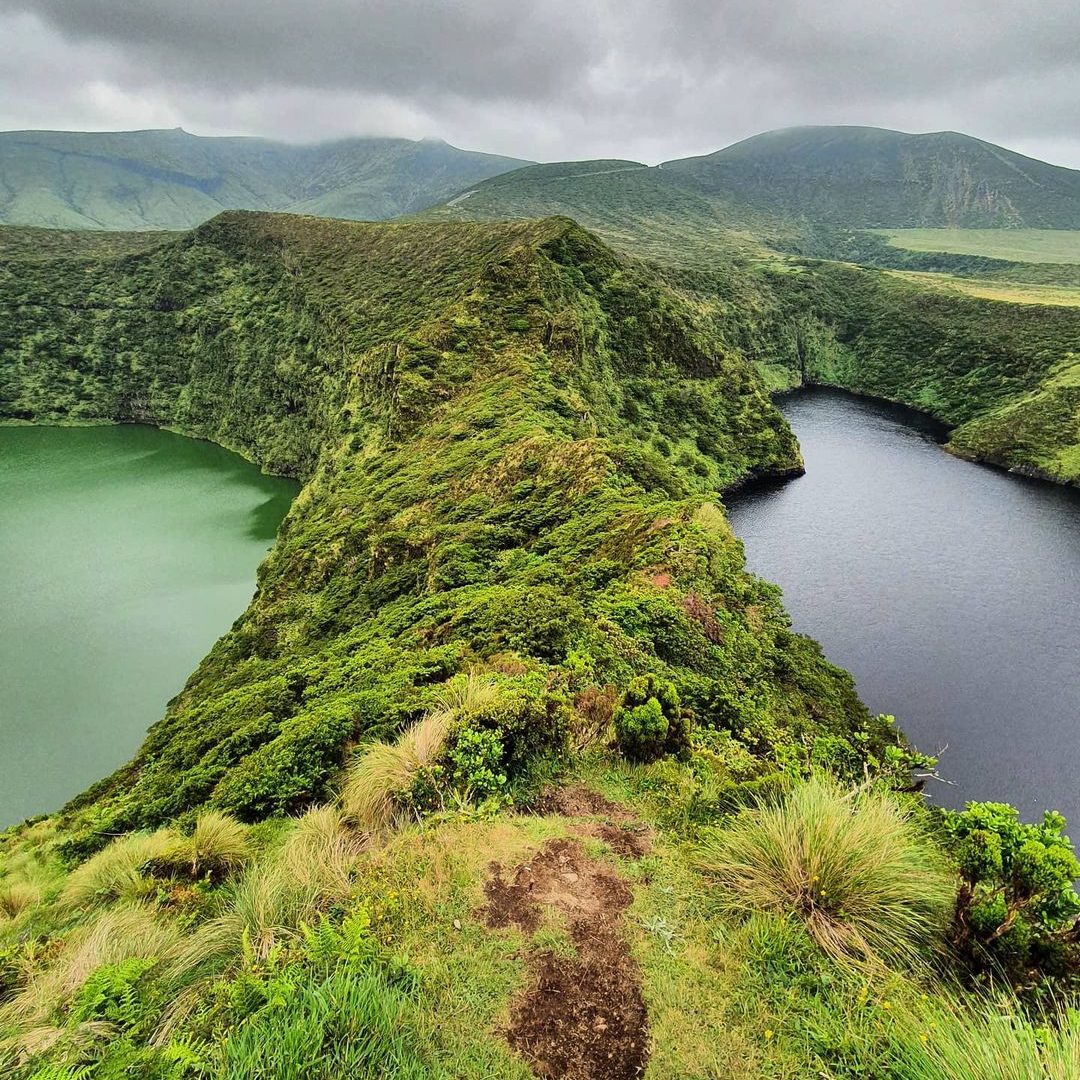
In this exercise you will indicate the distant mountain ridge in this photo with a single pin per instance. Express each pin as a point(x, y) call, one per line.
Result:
point(171, 179)
point(872, 177)
point(771, 185)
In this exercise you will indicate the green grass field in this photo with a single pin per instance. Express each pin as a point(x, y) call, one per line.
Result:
point(1008, 292)
point(1016, 245)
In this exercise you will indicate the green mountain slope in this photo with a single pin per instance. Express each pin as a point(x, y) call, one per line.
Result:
point(340, 852)
point(870, 177)
point(174, 180)
point(1002, 373)
point(506, 435)
point(646, 211)
point(955, 356)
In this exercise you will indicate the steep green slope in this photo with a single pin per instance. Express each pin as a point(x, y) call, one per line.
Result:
point(174, 180)
point(871, 177)
point(956, 356)
point(1002, 373)
point(505, 566)
point(647, 211)
point(507, 436)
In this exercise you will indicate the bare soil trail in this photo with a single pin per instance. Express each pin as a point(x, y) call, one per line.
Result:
point(582, 1016)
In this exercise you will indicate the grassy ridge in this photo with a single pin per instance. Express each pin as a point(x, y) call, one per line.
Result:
point(972, 336)
point(508, 437)
point(506, 563)
point(646, 211)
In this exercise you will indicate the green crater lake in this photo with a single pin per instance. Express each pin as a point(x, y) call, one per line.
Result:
point(125, 552)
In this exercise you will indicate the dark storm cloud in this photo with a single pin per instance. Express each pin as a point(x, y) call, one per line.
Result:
point(565, 78)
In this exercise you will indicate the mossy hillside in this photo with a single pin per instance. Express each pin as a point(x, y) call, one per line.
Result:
point(511, 440)
point(995, 371)
point(800, 320)
point(1038, 433)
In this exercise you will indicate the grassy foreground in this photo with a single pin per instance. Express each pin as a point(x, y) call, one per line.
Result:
point(310, 948)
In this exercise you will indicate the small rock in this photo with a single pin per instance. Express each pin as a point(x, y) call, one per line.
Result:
point(457, 924)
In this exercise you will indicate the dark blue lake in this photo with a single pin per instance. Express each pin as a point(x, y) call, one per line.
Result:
point(950, 590)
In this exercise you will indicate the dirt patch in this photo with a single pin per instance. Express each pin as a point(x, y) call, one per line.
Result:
point(561, 876)
point(576, 800)
point(631, 841)
point(582, 1017)
point(618, 828)
point(508, 903)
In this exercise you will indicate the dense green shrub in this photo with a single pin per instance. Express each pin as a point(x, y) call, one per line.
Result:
point(1017, 911)
point(650, 724)
point(291, 770)
point(475, 763)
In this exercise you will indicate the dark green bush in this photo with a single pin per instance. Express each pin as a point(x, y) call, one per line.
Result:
point(649, 724)
point(1017, 910)
point(291, 770)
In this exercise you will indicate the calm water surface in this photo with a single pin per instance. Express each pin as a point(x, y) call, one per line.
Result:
point(950, 590)
point(125, 552)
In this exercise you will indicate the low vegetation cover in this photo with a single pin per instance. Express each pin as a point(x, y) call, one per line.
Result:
point(510, 768)
point(171, 179)
point(1013, 245)
point(977, 340)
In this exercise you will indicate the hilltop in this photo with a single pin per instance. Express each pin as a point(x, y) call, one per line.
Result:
point(650, 212)
point(175, 180)
point(512, 443)
point(866, 177)
point(770, 187)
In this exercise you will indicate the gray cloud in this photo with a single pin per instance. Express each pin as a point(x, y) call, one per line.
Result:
point(648, 79)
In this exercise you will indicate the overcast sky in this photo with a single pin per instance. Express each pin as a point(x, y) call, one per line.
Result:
point(643, 79)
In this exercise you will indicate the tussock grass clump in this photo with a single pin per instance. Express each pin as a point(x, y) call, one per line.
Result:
point(117, 871)
point(218, 845)
point(943, 1041)
point(121, 933)
point(71, 1041)
point(317, 860)
point(851, 865)
point(311, 872)
point(377, 786)
point(16, 896)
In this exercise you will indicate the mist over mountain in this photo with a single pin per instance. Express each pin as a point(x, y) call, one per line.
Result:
point(858, 177)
